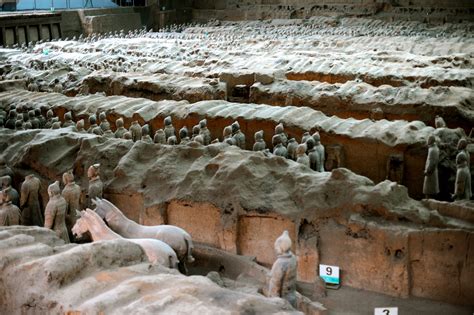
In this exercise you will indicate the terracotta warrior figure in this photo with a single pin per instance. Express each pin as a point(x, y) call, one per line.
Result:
point(431, 184)
point(227, 136)
point(11, 121)
point(68, 120)
point(313, 155)
point(127, 136)
point(120, 128)
point(72, 194)
point(463, 188)
point(49, 119)
point(104, 123)
point(160, 137)
point(278, 148)
point(305, 137)
point(35, 124)
point(169, 129)
point(7, 183)
point(172, 140)
point(196, 131)
point(39, 116)
point(259, 144)
point(301, 156)
point(80, 126)
point(55, 212)
point(204, 132)
point(282, 282)
point(280, 130)
point(319, 148)
point(95, 184)
point(462, 148)
point(136, 131)
point(238, 136)
point(4, 169)
point(93, 126)
point(30, 201)
point(9, 213)
point(146, 134)
point(291, 148)
point(183, 135)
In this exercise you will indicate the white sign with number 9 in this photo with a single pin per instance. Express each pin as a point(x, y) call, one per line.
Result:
point(330, 274)
point(386, 311)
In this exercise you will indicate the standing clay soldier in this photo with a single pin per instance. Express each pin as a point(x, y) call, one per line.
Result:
point(196, 131)
point(120, 128)
point(12, 192)
point(104, 124)
point(160, 137)
point(95, 184)
point(183, 135)
point(462, 187)
point(80, 126)
point(301, 156)
point(259, 144)
point(305, 137)
point(278, 148)
point(314, 160)
point(136, 131)
point(280, 130)
point(35, 124)
point(39, 116)
point(49, 119)
point(227, 136)
point(11, 121)
point(55, 212)
point(431, 184)
point(204, 132)
point(4, 169)
point(320, 150)
point(72, 194)
point(146, 134)
point(93, 126)
point(291, 148)
point(30, 201)
point(68, 120)
point(462, 148)
point(238, 136)
point(282, 282)
point(169, 129)
point(9, 213)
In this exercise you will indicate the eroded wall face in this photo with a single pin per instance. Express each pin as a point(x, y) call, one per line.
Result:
point(389, 259)
point(419, 10)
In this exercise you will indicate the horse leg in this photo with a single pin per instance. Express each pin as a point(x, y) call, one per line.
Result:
point(182, 267)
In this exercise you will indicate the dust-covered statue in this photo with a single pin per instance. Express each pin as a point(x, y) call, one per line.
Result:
point(95, 184)
point(431, 184)
point(30, 203)
point(282, 282)
point(55, 212)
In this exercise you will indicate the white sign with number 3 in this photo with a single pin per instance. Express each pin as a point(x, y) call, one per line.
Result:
point(386, 311)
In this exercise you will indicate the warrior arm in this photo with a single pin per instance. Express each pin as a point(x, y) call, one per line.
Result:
point(276, 280)
point(49, 215)
point(23, 195)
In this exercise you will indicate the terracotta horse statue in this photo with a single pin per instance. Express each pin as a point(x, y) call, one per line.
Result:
point(157, 251)
point(172, 235)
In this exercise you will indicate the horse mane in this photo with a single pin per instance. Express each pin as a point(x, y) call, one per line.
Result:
point(109, 207)
point(95, 221)
point(90, 214)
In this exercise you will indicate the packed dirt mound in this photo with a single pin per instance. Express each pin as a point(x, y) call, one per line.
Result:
point(225, 175)
point(39, 275)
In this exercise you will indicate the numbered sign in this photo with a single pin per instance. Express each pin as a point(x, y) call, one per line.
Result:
point(386, 311)
point(330, 274)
